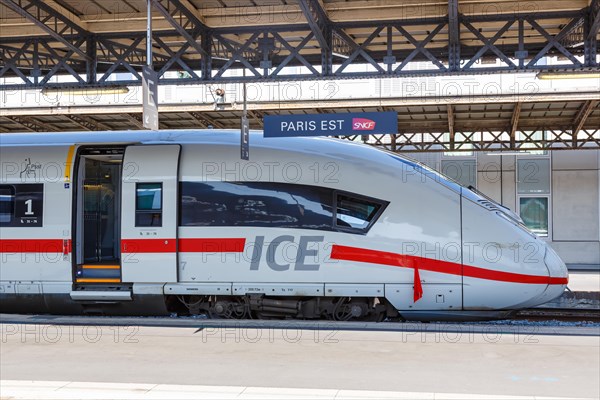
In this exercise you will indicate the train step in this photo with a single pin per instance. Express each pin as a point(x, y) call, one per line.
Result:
point(101, 295)
point(98, 274)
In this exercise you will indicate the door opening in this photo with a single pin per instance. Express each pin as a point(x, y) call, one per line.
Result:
point(98, 215)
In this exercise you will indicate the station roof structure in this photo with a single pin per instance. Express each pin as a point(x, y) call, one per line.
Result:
point(90, 43)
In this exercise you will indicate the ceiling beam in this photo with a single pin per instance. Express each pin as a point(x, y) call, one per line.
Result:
point(514, 123)
point(191, 12)
point(194, 117)
point(450, 112)
point(134, 121)
point(317, 19)
point(208, 121)
point(49, 25)
point(192, 41)
point(594, 19)
point(453, 36)
point(31, 124)
point(582, 116)
point(87, 122)
point(258, 117)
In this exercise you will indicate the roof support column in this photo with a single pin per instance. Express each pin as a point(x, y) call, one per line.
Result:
point(453, 36)
point(514, 124)
point(591, 28)
point(320, 25)
point(91, 47)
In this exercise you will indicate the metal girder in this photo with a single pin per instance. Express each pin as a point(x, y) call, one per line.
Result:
point(514, 123)
point(581, 117)
point(206, 120)
point(453, 36)
point(87, 123)
point(47, 18)
point(450, 112)
point(594, 19)
point(31, 124)
point(317, 19)
point(204, 55)
point(168, 13)
point(137, 122)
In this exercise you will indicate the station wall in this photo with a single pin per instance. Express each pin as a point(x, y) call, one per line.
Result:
point(556, 193)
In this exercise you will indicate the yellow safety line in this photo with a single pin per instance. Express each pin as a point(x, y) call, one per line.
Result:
point(69, 163)
point(101, 266)
point(98, 280)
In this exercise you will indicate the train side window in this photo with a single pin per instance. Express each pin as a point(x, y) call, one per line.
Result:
point(356, 213)
point(7, 204)
point(267, 204)
point(148, 204)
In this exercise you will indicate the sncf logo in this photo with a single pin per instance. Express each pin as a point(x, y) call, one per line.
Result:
point(362, 124)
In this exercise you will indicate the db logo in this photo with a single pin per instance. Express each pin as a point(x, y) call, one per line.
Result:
point(362, 124)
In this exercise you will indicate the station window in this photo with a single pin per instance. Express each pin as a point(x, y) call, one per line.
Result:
point(461, 171)
point(533, 176)
point(355, 213)
point(7, 204)
point(534, 213)
point(533, 192)
point(148, 204)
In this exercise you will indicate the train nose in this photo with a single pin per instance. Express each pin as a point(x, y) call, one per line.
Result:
point(558, 276)
point(556, 266)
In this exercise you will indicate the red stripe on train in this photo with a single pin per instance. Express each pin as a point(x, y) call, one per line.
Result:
point(35, 246)
point(444, 267)
point(210, 245)
point(191, 245)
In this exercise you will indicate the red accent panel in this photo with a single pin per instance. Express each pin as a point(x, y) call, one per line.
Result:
point(418, 288)
point(212, 245)
point(148, 245)
point(32, 246)
point(444, 267)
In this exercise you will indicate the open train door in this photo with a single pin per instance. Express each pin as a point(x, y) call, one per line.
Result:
point(149, 213)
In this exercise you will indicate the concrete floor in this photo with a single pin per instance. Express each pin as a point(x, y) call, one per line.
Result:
point(417, 362)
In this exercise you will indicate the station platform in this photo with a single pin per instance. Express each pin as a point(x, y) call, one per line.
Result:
point(583, 292)
point(101, 362)
point(584, 281)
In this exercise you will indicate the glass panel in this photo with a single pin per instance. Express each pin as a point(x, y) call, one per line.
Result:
point(536, 136)
point(7, 202)
point(534, 212)
point(533, 176)
point(355, 213)
point(100, 211)
point(149, 196)
point(256, 204)
point(462, 171)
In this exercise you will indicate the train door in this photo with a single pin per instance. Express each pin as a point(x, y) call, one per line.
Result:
point(97, 215)
point(150, 213)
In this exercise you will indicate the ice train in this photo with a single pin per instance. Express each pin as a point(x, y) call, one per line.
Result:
point(155, 223)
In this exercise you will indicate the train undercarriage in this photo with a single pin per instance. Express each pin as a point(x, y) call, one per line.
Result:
point(258, 306)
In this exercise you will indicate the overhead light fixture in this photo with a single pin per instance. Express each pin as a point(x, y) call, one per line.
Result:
point(91, 91)
point(568, 75)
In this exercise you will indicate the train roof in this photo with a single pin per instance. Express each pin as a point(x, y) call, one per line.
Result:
point(314, 144)
point(137, 136)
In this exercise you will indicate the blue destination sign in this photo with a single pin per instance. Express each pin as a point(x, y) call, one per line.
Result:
point(331, 124)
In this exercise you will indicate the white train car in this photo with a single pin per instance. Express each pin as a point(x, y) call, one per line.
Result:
point(150, 223)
